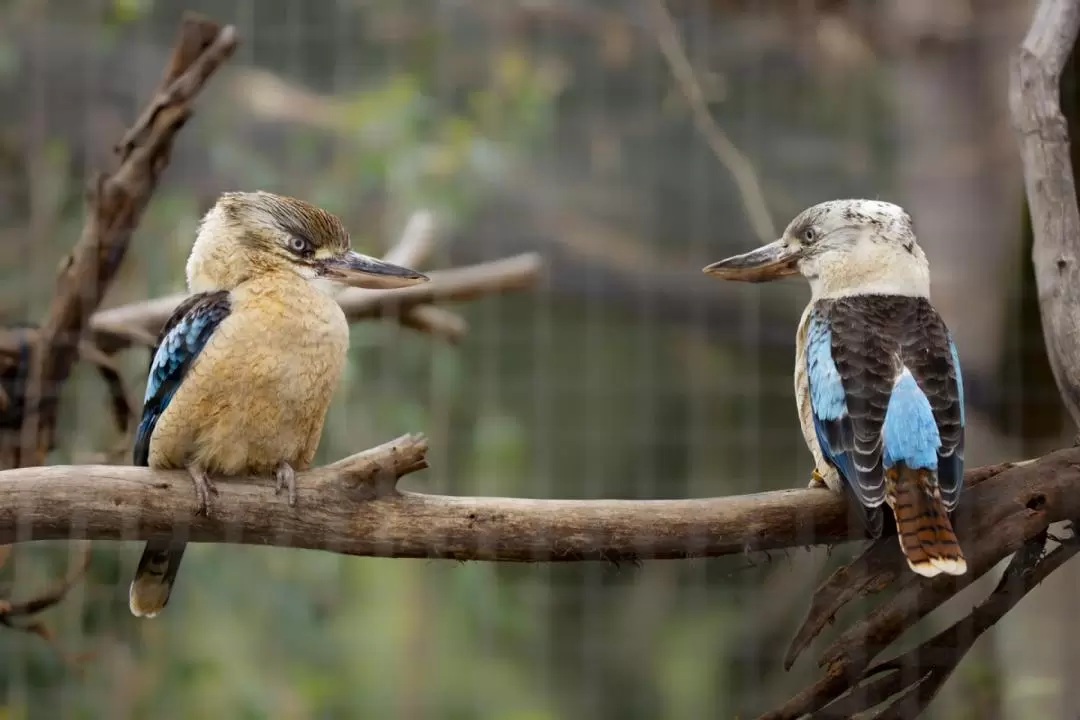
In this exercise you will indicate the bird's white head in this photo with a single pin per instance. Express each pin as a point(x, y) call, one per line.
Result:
point(843, 248)
point(251, 234)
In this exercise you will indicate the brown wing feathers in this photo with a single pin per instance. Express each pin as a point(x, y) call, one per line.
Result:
point(874, 338)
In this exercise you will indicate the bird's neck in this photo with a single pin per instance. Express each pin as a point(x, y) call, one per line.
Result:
point(882, 273)
point(280, 283)
point(298, 308)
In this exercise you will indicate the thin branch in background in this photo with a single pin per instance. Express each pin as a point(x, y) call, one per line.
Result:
point(129, 323)
point(1016, 521)
point(38, 359)
point(417, 241)
point(123, 409)
point(115, 203)
point(415, 245)
point(879, 565)
point(741, 169)
point(913, 679)
point(22, 615)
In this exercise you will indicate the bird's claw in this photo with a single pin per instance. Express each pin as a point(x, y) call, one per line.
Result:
point(817, 480)
point(204, 488)
point(285, 479)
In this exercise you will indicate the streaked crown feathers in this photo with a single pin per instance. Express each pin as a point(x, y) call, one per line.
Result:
point(250, 234)
point(859, 247)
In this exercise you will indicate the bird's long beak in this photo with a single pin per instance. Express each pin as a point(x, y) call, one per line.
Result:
point(352, 268)
point(768, 262)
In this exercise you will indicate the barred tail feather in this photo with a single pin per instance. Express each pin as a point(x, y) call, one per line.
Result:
point(154, 577)
point(922, 524)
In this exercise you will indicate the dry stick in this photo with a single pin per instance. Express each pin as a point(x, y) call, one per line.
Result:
point(123, 408)
point(1007, 511)
point(115, 204)
point(14, 340)
point(942, 653)
point(918, 674)
point(138, 323)
point(416, 244)
point(741, 169)
point(934, 660)
point(23, 615)
point(873, 571)
point(130, 323)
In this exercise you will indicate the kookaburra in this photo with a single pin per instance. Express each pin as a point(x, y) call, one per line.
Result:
point(877, 379)
point(244, 370)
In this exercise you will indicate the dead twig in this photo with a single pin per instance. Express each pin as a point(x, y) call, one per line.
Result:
point(21, 615)
point(913, 679)
point(1002, 518)
point(115, 202)
point(740, 167)
point(123, 409)
point(873, 571)
point(412, 249)
point(131, 323)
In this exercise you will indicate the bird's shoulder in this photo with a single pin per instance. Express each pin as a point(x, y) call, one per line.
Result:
point(197, 308)
point(179, 343)
point(886, 333)
point(184, 335)
point(875, 339)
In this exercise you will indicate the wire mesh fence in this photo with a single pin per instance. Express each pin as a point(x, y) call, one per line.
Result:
point(628, 144)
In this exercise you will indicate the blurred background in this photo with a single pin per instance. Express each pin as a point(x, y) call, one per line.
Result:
point(557, 126)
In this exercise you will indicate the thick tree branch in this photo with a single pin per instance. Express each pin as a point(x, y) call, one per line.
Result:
point(1034, 100)
point(1002, 514)
point(115, 202)
point(875, 569)
point(353, 507)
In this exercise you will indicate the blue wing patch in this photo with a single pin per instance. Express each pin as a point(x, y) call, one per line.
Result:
point(827, 398)
point(951, 454)
point(826, 389)
point(185, 335)
point(959, 379)
point(910, 430)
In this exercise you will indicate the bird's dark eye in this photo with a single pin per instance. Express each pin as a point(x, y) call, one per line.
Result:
point(299, 245)
point(808, 235)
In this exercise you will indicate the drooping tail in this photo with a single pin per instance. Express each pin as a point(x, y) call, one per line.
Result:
point(154, 577)
point(922, 524)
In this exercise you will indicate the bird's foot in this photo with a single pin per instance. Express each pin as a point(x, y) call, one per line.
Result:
point(285, 479)
point(204, 488)
point(817, 480)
